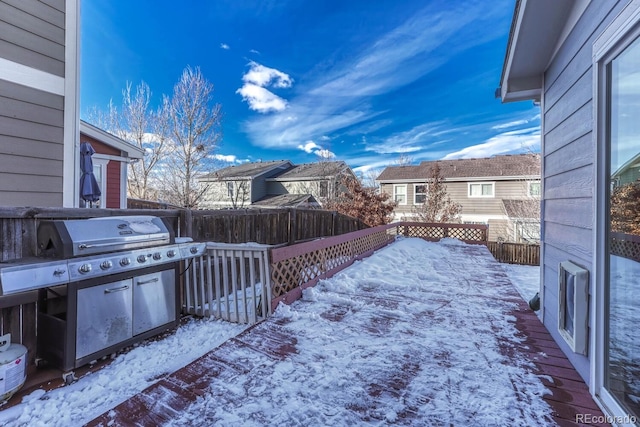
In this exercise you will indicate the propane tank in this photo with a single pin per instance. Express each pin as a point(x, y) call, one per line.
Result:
point(13, 373)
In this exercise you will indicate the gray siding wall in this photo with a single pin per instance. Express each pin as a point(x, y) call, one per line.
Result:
point(31, 146)
point(458, 191)
point(568, 160)
point(32, 34)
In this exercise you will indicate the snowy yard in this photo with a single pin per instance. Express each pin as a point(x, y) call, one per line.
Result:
point(427, 321)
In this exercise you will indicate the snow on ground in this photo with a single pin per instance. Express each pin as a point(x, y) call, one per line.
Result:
point(126, 376)
point(414, 335)
point(425, 316)
point(525, 278)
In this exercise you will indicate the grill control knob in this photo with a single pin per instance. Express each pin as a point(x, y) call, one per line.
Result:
point(142, 258)
point(105, 265)
point(84, 268)
point(171, 253)
point(125, 261)
point(157, 256)
point(193, 249)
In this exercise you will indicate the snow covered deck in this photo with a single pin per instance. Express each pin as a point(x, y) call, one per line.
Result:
point(419, 333)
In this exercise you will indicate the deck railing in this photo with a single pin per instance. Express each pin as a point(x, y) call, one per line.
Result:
point(625, 245)
point(230, 282)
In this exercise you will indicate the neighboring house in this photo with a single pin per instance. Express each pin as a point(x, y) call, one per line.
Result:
point(239, 186)
point(273, 184)
point(493, 191)
point(39, 121)
point(579, 60)
point(110, 164)
point(322, 180)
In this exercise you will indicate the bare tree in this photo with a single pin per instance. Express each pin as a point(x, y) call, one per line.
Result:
point(194, 124)
point(148, 130)
point(436, 205)
point(137, 123)
point(238, 192)
point(403, 160)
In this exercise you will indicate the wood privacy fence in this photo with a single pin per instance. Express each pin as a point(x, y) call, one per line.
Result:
point(515, 253)
point(269, 226)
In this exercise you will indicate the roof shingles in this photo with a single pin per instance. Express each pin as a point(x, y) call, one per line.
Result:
point(496, 166)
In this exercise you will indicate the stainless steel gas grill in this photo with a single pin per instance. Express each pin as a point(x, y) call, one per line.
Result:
point(104, 284)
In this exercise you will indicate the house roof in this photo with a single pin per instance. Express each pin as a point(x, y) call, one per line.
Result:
point(496, 167)
point(538, 28)
point(130, 150)
point(247, 170)
point(286, 201)
point(310, 171)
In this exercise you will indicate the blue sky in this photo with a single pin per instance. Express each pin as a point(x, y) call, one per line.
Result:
point(363, 81)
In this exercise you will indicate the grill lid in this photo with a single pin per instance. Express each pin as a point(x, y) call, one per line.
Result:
point(72, 238)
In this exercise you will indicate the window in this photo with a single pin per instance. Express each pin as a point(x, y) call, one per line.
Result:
point(617, 373)
point(419, 194)
point(534, 189)
point(481, 189)
point(230, 189)
point(400, 194)
point(324, 189)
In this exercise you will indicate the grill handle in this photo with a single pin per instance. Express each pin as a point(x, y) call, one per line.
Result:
point(155, 279)
point(99, 245)
point(112, 290)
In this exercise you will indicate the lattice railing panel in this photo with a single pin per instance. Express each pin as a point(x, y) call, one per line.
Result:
point(626, 246)
point(427, 233)
point(474, 234)
point(292, 272)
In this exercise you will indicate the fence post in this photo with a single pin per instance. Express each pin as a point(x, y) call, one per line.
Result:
point(292, 226)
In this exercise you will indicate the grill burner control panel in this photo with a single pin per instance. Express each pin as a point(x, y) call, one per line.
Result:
point(118, 262)
point(29, 275)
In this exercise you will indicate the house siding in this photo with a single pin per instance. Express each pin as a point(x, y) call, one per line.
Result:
point(568, 154)
point(474, 209)
point(32, 33)
point(31, 146)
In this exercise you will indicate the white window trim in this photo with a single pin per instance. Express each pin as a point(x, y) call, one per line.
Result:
point(613, 40)
point(493, 189)
point(405, 193)
point(415, 193)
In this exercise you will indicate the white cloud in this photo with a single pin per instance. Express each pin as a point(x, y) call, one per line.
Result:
point(227, 158)
point(309, 146)
point(507, 142)
point(415, 139)
point(312, 147)
point(263, 76)
point(224, 46)
point(260, 99)
point(254, 91)
point(254, 51)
